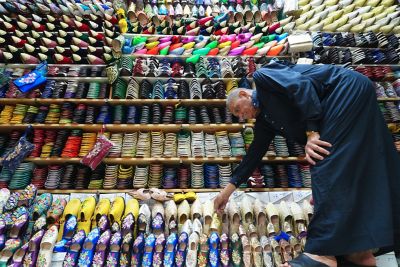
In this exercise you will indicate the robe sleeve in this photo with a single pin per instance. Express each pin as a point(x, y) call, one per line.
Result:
point(301, 89)
point(263, 136)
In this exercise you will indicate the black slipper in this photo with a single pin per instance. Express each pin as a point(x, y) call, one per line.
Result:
point(305, 261)
point(343, 262)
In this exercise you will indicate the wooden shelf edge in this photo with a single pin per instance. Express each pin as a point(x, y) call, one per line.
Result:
point(175, 190)
point(130, 102)
point(234, 127)
point(168, 161)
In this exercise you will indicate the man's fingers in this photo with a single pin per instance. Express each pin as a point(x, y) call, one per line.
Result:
point(320, 149)
point(314, 155)
point(308, 158)
point(323, 143)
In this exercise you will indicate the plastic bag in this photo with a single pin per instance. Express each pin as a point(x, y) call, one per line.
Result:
point(22, 149)
point(99, 151)
point(33, 79)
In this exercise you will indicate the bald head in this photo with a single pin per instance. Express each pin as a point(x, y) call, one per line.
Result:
point(240, 104)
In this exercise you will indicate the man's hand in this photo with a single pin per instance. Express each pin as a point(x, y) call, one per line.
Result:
point(314, 148)
point(223, 197)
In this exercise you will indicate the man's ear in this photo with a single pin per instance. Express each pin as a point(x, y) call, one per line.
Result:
point(242, 93)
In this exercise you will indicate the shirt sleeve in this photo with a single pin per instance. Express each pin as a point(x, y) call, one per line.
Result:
point(263, 136)
point(301, 89)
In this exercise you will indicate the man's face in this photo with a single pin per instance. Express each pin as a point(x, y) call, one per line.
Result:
point(243, 107)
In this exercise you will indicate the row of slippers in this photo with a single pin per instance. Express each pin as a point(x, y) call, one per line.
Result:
point(60, 7)
point(207, 25)
point(236, 67)
point(360, 40)
point(192, 248)
point(245, 44)
point(357, 56)
point(352, 17)
point(104, 115)
point(257, 217)
point(265, 12)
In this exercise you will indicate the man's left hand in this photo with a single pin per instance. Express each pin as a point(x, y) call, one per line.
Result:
point(314, 148)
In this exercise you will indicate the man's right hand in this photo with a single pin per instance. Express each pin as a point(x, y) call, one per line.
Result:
point(223, 197)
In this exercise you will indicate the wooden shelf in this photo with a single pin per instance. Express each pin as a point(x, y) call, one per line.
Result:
point(209, 128)
point(79, 79)
point(352, 47)
point(187, 56)
point(176, 190)
point(125, 102)
point(166, 161)
point(129, 102)
point(153, 79)
point(22, 65)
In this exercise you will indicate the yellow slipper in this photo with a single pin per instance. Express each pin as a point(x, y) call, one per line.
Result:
point(360, 3)
point(132, 206)
point(303, 2)
point(396, 29)
point(152, 45)
point(358, 28)
point(87, 209)
point(86, 213)
point(373, 28)
point(123, 25)
point(387, 28)
point(188, 45)
point(349, 8)
point(331, 2)
point(191, 196)
point(387, 3)
point(367, 15)
point(336, 14)
point(85, 226)
point(331, 27)
point(306, 8)
point(179, 197)
point(72, 208)
point(319, 8)
point(344, 28)
point(300, 21)
point(369, 22)
point(378, 10)
point(102, 208)
point(381, 16)
point(225, 44)
point(117, 209)
point(317, 27)
point(391, 9)
point(373, 3)
point(342, 21)
point(328, 21)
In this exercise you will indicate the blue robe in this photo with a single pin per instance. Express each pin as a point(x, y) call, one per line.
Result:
point(355, 189)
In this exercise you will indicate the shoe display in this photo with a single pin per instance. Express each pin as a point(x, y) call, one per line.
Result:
point(152, 78)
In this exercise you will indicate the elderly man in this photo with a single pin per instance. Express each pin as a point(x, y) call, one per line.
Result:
point(355, 167)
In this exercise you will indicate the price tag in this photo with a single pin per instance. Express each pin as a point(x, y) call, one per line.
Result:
point(237, 195)
point(299, 196)
point(81, 197)
point(277, 197)
point(207, 196)
point(58, 256)
point(263, 196)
